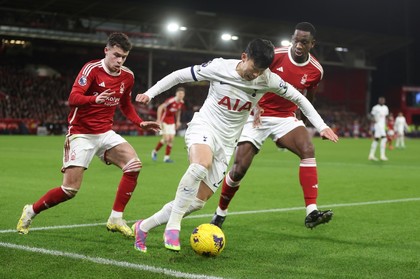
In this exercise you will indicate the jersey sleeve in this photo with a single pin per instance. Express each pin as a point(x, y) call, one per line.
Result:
point(127, 107)
point(205, 71)
point(174, 78)
point(212, 70)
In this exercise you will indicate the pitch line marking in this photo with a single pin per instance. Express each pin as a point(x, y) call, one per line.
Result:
point(230, 213)
point(104, 261)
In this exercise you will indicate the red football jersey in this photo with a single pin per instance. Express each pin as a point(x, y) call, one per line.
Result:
point(302, 76)
point(172, 107)
point(88, 117)
point(390, 124)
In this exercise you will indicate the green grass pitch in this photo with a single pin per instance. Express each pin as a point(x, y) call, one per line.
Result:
point(375, 232)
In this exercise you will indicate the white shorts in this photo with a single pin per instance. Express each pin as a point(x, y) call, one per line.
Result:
point(274, 127)
point(379, 131)
point(167, 129)
point(400, 131)
point(79, 149)
point(199, 133)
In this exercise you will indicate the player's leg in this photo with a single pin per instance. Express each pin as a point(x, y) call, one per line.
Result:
point(77, 156)
point(378, 134)
point(244, 154)
point(159, 145)
point(389, 138)
point(124, 156)
point(142, 227)
point(250, 142)
point(398, 140)
point(200, 156)
point(402, 139)
point(382, 148)
point(170, 132)
point(373, 147)
point(71, 185)
point(299, 142)
point(168, 150)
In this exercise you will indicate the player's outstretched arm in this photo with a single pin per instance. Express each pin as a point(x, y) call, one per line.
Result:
point(329, 134)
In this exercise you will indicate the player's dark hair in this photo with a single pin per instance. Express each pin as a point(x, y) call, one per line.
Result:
point(120, 40)
point(261, 52)
point(181, 88)
point(307, 27)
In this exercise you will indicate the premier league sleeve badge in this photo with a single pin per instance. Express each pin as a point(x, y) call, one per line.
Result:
point(82, 80)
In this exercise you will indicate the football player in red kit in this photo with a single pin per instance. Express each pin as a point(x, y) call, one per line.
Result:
point(390, 133)
point(276, 119)
point(169, 115)
point(99, 88)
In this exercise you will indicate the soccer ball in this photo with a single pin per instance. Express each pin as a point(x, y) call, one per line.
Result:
point(208, 240)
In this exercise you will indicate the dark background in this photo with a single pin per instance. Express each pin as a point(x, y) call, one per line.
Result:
point(390, 29)
point(387, 17)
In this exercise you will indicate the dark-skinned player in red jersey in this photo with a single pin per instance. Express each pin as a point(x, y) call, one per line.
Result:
point(275, 118)
point(99, 88)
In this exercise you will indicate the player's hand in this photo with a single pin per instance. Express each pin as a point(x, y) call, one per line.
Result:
point(101, 98)
point(329, 134)
point(258, 111)
point(150, 126)
point(142, 98)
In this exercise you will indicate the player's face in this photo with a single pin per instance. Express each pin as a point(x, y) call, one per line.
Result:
point(247, 69)
point(115, 58)
point(180, 95)
point(381, 101)
point(302, 43)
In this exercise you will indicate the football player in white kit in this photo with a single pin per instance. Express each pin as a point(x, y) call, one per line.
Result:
point(235, 87)
point(400, 127)
point(379, 113)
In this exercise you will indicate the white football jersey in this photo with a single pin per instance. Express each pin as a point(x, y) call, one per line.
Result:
point(231, 98)
point(400, 124)
point(380, 113)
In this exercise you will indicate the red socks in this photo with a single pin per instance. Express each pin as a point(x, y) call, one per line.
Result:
point(168, 149)
point(125, 189)
point(308, 178)
point(50, 199)
point(158, 146)
point(229, 189)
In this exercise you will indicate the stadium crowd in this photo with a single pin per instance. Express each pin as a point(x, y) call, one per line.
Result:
point(29, 102)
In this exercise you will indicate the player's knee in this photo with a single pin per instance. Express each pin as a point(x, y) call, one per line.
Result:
point(196, 205)
point(307, 150)
point(133, 166)
point(197, 170)
point(69, 191)
point(238, 172)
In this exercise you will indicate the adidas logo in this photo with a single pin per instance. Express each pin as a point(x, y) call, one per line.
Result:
point(280, 69)
point(102, 84)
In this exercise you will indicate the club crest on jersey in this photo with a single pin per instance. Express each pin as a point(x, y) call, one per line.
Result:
point(82, 80)
point(304, 79)
point(205, 64)
point(122, 87)
point(283, 85)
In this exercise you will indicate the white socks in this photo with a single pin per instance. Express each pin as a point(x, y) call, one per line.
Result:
point(187, 191)
point(310, 208)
